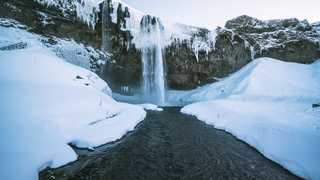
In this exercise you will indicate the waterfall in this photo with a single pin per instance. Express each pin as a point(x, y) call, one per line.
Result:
point(105, 20)
point(148, 38)
point(153, 85)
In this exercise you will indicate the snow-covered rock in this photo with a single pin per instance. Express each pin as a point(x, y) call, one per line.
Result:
point(268, 104)
point(316, 26)
point(285, 39)
point(47, 103)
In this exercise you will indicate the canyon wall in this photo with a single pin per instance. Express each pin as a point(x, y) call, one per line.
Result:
point(193, 56)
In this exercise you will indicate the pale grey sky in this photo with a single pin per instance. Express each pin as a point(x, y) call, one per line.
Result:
point(211, 13)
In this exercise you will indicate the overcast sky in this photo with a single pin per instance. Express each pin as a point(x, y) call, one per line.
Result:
point(211, 13)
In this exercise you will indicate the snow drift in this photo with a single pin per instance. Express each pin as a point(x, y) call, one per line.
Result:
point(47, 103)
point(268, 104)
point(264, 77)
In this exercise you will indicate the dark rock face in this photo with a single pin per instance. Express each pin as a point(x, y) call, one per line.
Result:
point(185, 71)
point(289, 40)
point(125, 70)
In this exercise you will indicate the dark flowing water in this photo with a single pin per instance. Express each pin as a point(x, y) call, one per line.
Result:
point(171, 146)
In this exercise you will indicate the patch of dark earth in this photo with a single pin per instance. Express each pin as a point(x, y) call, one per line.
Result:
point(169, 145)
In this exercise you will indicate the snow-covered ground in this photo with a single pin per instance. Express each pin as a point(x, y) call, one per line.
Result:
point(268, 104)
point(47, 103)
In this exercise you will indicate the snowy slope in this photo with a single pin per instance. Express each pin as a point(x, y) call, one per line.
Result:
point(47, 103)
point(263, 77)
point(76, 53)
point(268, 104)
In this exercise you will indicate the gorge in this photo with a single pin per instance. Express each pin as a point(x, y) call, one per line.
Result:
point(100, 90)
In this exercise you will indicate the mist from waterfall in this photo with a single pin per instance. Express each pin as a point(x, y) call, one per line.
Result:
point(153, 85)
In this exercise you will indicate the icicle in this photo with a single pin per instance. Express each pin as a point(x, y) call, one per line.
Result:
point(253, 52)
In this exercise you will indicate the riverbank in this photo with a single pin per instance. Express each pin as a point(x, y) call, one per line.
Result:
point(171, 145)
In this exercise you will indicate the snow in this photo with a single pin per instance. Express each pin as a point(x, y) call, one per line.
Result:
point(151, 107)
point(77, 53)
point(205, 44)
point(263, 77)
point(268, 104)
point(277, 33)
point(47, 103)
point(11, 23)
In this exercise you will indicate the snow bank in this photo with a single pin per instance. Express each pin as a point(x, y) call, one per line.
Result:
point(151, 107)
point(268, 104)
point(264, 78)
point(47, 103)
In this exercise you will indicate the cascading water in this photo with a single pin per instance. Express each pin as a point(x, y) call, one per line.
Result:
point(147, 37)
point(153, 88)
point(104, 22)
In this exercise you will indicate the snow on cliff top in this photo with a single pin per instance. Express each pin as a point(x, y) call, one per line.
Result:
point(47, 103)
point(86, 11)
point(268, 104)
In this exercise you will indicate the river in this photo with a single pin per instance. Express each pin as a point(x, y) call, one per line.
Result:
point(169, 145)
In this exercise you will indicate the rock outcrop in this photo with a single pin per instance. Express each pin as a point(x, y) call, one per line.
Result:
point(188, 69)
